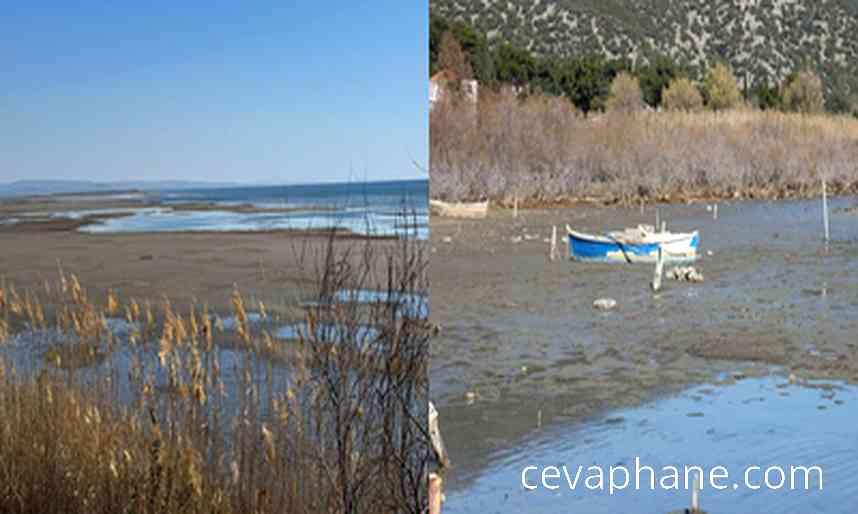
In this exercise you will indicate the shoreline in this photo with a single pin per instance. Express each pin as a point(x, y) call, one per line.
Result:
point(38, 214)
point(797, 192)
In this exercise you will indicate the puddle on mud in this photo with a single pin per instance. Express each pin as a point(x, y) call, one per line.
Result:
point(326, 333)
point(761, 421)
point(414, 305)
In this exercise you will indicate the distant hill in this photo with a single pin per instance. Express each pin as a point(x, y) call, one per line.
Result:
point(39, 187)
point(760, 38)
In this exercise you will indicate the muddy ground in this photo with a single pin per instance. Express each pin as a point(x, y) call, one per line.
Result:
point(522, 345)
point(201, 267)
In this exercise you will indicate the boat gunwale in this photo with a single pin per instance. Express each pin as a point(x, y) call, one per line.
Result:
point(607, 239)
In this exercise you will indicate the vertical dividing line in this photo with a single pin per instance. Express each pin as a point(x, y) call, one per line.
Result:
point(825, 211)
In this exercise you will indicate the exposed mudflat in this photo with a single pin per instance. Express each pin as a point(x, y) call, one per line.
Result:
point(522, 344)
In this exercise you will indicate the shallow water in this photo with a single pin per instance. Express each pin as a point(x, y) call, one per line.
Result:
point(372, 208)
point(33, 352)
point(521, 337)
point(359, 221)
point(763, 422)
point(414, 305)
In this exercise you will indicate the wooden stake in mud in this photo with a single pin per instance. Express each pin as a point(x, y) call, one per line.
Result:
point(435, 493)
point(553, 254)
point(659, 269)
point(715, 212)
point(825, 211)
point(515, 207)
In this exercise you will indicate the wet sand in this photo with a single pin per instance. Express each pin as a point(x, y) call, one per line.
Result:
point(183, 266)
point(521, 341)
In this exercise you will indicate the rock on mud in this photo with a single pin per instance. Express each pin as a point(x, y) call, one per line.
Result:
point(605, 304)
point(685, 274)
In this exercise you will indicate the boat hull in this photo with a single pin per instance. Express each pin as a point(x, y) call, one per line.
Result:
point(459, 210)
point(584, 247)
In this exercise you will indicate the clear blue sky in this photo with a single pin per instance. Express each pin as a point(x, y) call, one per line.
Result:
point(286, 91)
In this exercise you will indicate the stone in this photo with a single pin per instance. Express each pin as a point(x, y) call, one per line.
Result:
point(605, 304)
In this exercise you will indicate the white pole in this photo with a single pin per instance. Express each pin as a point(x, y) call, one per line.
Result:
point(715, 212)
point(825, 211)
point(515, 207)
point(695, 496)
point(657, 222)
point(659, 269)
point(553, 254)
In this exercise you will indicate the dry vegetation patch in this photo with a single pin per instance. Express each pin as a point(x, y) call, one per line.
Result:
point(543, 151)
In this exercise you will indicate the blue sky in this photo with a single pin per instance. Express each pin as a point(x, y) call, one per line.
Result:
point(279, 92)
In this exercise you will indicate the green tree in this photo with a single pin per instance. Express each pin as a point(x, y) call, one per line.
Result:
point(682, 95)
point(625, 94)
point(655, 77)
point(548, 76)
point(766, 96)
point(473, 43)
point(844, 92)
point(586, 81)
point(437, 27)
point(721, 89)
point(514, 65)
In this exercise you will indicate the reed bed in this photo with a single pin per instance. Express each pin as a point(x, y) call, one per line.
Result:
point(144, 407)
point(541, 150)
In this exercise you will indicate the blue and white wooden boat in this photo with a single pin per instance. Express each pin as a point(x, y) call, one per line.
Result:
point(638, 245)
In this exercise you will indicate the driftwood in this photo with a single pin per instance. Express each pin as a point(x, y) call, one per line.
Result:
point(459, 210)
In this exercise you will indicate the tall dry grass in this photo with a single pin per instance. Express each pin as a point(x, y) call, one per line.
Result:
point(153, 419)
point(541, 150)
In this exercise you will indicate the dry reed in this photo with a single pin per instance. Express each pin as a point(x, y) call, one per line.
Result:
point(332, 423)
point(541, 150)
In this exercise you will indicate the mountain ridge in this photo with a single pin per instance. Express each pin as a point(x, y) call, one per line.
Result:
point(761, 39)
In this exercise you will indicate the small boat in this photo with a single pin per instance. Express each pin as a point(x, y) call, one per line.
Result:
point(637, 245)
point(459, 210)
